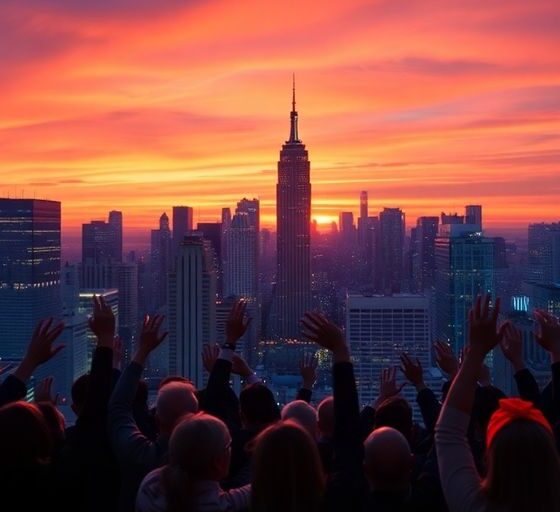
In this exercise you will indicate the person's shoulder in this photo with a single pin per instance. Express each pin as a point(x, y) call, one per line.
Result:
point(151, 496)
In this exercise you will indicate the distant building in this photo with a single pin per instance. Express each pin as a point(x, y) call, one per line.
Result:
point(423, 247)
point(29, 270)
point(293, 216)
point(379, 328)
point(161, 262)
point(182, 225)
point(192, 308)
point(544, 253)
point(391, 248)
point(347, 230)
point(464, 269)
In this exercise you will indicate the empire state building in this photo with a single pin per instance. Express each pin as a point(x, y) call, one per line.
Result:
point(293, 214)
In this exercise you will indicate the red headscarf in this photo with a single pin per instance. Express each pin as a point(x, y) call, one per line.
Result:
point(512, 409)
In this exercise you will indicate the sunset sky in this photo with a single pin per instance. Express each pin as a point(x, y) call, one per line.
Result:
point(139, 105)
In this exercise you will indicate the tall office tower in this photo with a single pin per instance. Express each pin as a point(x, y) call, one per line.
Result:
point(473, 215)
point(29, 270)
point(423, 247)
point(452, 218)
point(347, 229)
point(363, 223)
point(363, 204)
point(379, 328)
point(212, 231)
point(544, 253)
point(464, 269)
point(161, 262)
point(391, 249)
point(182, 225)
point(293, 217)
point(116, 222)
point(241, 278)
point(127, 283)
point(101, 248)
point(192, 308)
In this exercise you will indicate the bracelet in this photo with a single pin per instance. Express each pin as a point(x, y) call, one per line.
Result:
point(229, 345)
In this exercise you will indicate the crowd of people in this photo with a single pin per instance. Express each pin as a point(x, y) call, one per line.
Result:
point(206, 450)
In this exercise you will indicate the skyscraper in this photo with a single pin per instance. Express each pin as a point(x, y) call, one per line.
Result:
point(29, 270)
point(544, 253)
point(293, 217)
point(101, 249)
point(161, 262)
point(423, 246)
point(241, 271)
point(192, 308)
point(347, 230)
point(182, 224)
point(473, 215)
point(391, 247)
point(116, 222)
point(464, 269)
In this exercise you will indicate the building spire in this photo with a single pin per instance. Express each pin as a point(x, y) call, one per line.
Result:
point(293, 115)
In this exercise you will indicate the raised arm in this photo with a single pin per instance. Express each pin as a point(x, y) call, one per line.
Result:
point(130, 445)
point(217, 400)
point(40, 350)
point(102, 324)
point(547, 335)
point(427, 401)
point(511, 346)
point(459, 478)
point(308, 372)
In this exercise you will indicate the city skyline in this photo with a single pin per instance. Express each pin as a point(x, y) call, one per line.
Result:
point(148, 123)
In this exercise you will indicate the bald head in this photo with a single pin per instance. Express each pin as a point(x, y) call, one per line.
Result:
point(387, 460)
point(303, 414)
point(325, 412)
point(174, 400)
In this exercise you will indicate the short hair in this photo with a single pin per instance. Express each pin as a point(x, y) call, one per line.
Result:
point(25, 439)
point(486, 402)
point(395, 412)
point(173, 401)
point(303, 414)
point(257, 405)
point(79, 390)
point(325, 414)
point(173, 378)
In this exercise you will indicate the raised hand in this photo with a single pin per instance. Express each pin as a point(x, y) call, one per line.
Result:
point(117, 352)
point(318, 329)
point(150, 337)
point(512, 346)
point(43, 391)
point(102, 322)
point(240, 367)
point(41, 348)
point(445, 359)
point(547, 333)
point(483, 331)
point(388, 385)
point(308, 370)
point(237, 323)
point(412, 370)
point(210, 354)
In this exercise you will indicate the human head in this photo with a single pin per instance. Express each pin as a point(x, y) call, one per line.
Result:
point(25, 439)
point(522, 461)
point(174, 400)
point(79, 393)
point(287, 471)
point(395, 412)
point(55, 422)
point(199, 449)
point(303, 414)
point(173, 378)
point(325, 413)
point(486, 402)
point(387, 460)
point(257, 406)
